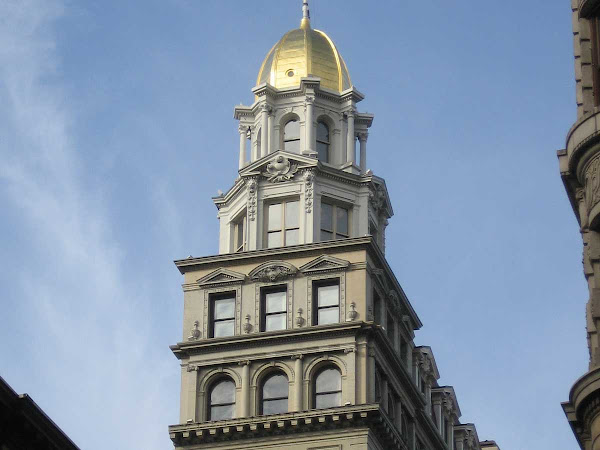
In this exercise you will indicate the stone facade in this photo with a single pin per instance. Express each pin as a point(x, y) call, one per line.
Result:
point(301, 292)
point(579, 167)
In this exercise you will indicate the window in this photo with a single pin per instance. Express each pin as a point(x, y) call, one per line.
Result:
point(334, 222)
point(283, 224)
point(323, 142)
point(274, 307)
point(378, 383)
point(595, 40)
point(239, 234)
point(404, 423)
point(446, 431)
point(291, 136)
point(327, 302)
point(222, 315)
point(274, 395)
point(222, 400)
point(377, 310)
point(404, 350)
point(391, 406)
point(391, 329)
point(328, 388)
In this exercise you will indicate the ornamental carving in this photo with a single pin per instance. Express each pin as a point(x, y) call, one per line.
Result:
point(252, 186)
point(377, 198)
point(195, 335)
point(273, 272)
point(592, 183)
point(280, 170)
point(309, 178)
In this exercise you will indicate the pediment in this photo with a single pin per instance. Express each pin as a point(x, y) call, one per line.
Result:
point(279, 166)
point(325, 263)
point(273, 271)
point(221, 276)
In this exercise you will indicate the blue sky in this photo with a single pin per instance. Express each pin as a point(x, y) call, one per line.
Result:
point(116, 129)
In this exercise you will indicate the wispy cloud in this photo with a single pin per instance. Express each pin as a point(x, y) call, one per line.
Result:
point(88, 337)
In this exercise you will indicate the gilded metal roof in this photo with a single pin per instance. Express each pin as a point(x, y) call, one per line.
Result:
point(301, 53)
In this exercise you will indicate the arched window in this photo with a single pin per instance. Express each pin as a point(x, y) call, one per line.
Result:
point(258, 144)
point(221, 400)
point(291, 136)
point(328, 388)
point(274, 395)
point(323, 141)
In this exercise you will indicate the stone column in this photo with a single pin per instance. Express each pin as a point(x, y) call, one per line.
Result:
point(245, 409)
point(459, 443)
point(271, 147)
point(350, 148)
point(298, 374)
point(242, 129)
point(362, 374)
point(265, 130)
point(437, 407)
point(310, 135)
point(192, 394)
point(362, 137)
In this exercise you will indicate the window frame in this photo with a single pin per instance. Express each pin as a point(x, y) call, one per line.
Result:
point(264, 291)
point(595, 50)
point(284, 229)
point(327, 142)
point(214, 297)
point(325, 282)
point(293, 119)
point(261, 400)
point(210, 405)
point(240, 220)
point(334, 231)
point(316, 394)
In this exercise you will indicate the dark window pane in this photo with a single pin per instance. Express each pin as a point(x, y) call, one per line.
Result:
point(224, 328)
point(328, 295)
point(329, 315)
point(341, 221)
point(276, 386)
point(274, 239)
point(323, 151)
point(326, 235)
point(326, 217)
point(222, 412)
point(328, 400)
point(275, 301)
point(329, 380)
point(224, 308)
point(322, 132)
point(275, 406)
point(276, 322)
point(223, 392)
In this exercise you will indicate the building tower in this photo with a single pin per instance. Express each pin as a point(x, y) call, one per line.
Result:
point(580, 170)
point(297, 335)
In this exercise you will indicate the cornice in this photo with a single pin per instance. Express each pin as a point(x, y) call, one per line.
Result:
point(342, 418)
point(185, 264)
point(184, 350)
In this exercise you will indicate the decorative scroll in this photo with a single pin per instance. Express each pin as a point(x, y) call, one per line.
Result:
point(280, 170)
point(252, 197)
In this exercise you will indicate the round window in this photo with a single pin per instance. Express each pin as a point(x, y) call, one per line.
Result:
point(290, 73)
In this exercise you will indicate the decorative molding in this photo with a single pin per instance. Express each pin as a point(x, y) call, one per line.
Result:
point(273, 271)
point(280, 170)
point(309, 187)
point(325, 263)
point(252, 187)
point(220, 277)
point(592, 182)
point(352, 314)
point(195, 335)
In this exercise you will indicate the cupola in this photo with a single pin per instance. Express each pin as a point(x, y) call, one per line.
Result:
point(304, 52)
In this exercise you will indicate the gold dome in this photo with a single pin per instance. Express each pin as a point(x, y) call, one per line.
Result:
point(301, 53)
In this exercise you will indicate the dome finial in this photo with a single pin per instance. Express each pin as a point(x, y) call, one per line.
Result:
point(305, 23)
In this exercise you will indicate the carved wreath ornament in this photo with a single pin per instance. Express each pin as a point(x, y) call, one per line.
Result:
point(273, 273)
point(280, 170)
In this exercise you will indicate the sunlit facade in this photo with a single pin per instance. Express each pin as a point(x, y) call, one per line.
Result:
point(297, 335)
